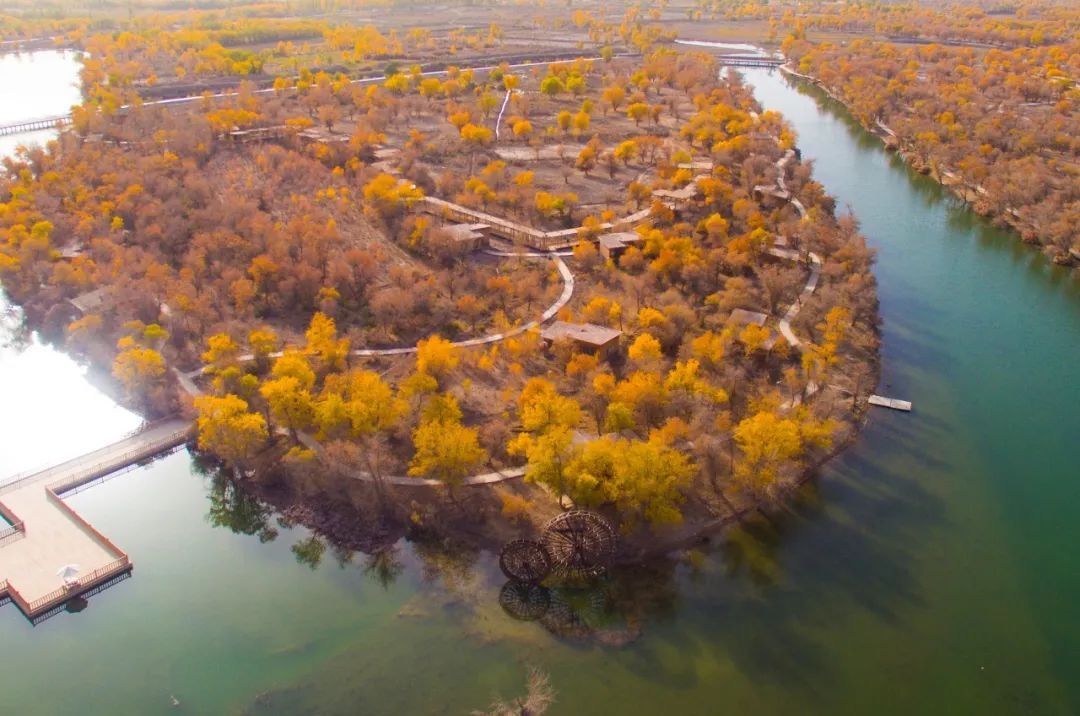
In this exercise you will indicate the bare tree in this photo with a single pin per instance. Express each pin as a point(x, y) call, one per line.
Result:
point(539, 695)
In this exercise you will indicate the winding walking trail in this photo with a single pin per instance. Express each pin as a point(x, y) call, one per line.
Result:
point(549, 313)
point(187, 383)
point(502, 110)
point(780, 191)
point(808, 288)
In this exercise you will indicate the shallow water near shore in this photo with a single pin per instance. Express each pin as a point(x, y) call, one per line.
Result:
point(930, 569)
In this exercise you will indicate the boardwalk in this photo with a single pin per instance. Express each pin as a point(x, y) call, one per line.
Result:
point(749, 61)
point(46, 534)
point(33, 125)
point(498, 120)
point(521, 233)
point(808, 288)
point(894, 403)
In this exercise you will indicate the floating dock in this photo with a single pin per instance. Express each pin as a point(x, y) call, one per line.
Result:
point(893, 403)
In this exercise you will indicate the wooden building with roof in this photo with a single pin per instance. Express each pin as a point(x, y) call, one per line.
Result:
point(586, 337)
point(678, 199)
point(92, 301)
point(742, 317)
point(471, 236)
point(615, 244)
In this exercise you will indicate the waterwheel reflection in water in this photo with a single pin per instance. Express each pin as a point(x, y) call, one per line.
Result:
point(574, 614)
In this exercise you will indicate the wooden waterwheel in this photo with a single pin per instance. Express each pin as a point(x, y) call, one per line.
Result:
point(579, 543)
point(525, 560)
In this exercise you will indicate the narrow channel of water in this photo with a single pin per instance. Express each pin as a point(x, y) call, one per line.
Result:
point(932, 570)
point(49, 412)
point(983, 335)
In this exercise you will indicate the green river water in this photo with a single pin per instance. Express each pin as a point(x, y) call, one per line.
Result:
point(932, 568)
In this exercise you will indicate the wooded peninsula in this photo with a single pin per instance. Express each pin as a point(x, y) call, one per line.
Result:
point(407, 284)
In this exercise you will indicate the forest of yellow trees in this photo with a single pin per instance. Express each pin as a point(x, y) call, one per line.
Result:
point(275, 242)
point(276, 237)
point(1000, 126)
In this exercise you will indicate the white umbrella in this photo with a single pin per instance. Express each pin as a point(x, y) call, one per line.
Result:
point(69, 573)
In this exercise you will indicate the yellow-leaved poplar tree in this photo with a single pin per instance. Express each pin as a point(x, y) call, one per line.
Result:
point(228, 429)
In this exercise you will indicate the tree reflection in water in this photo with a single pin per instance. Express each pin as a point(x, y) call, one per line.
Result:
point(755, 546)
point(611, 610)
point(236, 509)
point(231, 506)
point(448, 563)
point(384, 565)
point(310, 551)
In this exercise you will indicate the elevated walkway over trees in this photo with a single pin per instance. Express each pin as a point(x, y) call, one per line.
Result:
point(750, 61)
point(34, 125)
point(526, 235)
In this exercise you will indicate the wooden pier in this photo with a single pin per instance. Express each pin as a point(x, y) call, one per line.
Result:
point(46, 534)
point(34, 125)
point(749, 61)
point(893, 403)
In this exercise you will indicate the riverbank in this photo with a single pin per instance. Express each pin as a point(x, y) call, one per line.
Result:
point(362, 516)
point(973, 196)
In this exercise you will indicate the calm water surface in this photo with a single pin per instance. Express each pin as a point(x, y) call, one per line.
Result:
point(932, 570)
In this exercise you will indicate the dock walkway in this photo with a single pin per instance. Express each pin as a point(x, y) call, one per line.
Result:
point(34, 125)
point(894, 403)
point(46, 534)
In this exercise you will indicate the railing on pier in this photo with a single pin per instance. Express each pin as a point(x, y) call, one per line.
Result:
point(79, 586)
point(56, 482)
point(9, 534)
point(35, 609)
point(749, 61)
point(33, 125)
point(61, 607)
point(22, 475)
point(520, 233)
point(108, 465)
point(130, 458)
point(90, 583)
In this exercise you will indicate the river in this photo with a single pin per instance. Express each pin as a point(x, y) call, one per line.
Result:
point(51, 392)
point(931, 569)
